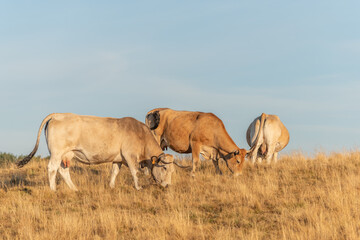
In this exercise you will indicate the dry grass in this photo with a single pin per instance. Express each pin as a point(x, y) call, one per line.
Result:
point(297, 198)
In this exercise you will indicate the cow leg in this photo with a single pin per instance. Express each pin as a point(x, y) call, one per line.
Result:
point(216, 164)
point(270, 153)
point(133, 170)
point(114, 172)
point(275, 157)
point(64, 172)
point(254, 154)
point(195, 158)
point(53, 166)
point(64, 169)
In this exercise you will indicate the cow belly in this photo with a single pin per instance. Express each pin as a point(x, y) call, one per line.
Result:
point(179, 145)
point(95, 158)
point(177, 136)
point(180, 148)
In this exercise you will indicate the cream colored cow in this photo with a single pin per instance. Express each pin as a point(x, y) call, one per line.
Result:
point(95, 140)
point(266, 136)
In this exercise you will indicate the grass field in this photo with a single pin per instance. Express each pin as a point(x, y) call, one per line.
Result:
point(297, 198)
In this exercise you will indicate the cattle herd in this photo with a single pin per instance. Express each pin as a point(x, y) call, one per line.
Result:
point(139, 146)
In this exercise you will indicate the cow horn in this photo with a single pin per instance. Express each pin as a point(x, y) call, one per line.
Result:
point(251, 150)
point(165, 162)
point(180, 166)
point(230, 155)
point(161, 158)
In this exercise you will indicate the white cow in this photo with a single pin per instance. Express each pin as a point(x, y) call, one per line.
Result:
point(95, 140)
point(266, 136)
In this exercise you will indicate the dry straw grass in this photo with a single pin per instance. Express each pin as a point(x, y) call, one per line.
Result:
point(297, 198)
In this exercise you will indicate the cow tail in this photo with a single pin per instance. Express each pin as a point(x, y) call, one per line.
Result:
point(260, 134)
point(27, 159)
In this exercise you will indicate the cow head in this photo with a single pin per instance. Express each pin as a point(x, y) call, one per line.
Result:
point(162, 169)
point(235, 161)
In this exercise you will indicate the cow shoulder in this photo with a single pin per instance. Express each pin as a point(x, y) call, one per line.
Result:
point(132, 125)
point(212, 126)
point(212, 121)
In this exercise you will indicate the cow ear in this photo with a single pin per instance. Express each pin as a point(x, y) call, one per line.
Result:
point(153, 120)
point(143, 164)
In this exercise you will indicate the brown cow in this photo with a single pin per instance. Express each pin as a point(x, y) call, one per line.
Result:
point(196, 133)
point(95, 140)
point(266, 136)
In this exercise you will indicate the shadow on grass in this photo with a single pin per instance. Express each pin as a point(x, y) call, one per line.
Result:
point(82, 170)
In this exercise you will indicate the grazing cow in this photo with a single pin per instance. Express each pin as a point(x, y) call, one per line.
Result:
point(95, 140)
point(196, 133)
point(266, 136)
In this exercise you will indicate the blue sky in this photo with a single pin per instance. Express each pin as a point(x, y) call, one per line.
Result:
point(237, 59)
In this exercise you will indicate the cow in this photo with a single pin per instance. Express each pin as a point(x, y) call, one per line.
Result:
point(266, 136)
point(196, 133)
point(95, 140)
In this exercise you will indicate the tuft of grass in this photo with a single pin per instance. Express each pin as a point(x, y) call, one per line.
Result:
point(299, 197)
point(7, 158)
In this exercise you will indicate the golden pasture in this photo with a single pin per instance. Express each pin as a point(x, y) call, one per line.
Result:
point(299, 197)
